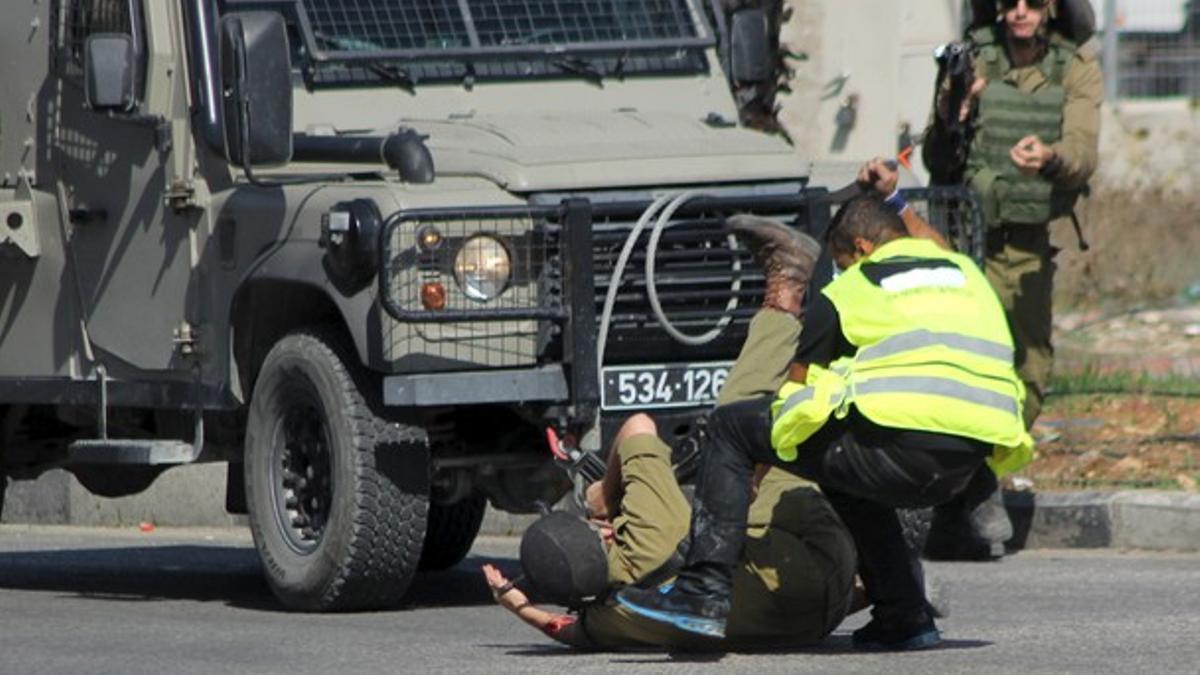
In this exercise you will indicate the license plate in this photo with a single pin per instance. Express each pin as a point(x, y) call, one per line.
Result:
point(680, 385)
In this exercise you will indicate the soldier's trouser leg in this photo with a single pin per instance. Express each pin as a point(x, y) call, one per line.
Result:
point(762, 365)
point(654, 514)
point(1020, 267)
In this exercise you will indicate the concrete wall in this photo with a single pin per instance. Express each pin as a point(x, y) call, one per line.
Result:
point(878, 52)
point(1150, 146)
point(185, 496)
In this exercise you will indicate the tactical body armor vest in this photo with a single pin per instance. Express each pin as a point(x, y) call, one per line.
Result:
point(1006, 115)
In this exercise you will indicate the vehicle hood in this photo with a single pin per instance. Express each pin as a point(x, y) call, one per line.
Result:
point(537, 152)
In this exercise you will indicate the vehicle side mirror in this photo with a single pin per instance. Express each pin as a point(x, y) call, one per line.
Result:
point(256, 86)
point(750, 46)
point(110, 72)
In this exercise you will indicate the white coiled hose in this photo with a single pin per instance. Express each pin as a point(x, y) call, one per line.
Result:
point(672, 203)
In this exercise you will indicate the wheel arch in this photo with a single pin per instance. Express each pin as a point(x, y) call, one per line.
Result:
point(287, 292)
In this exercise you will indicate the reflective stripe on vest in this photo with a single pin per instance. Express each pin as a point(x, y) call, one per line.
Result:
point(803, 396)
point(919, 339)
point(938, 386)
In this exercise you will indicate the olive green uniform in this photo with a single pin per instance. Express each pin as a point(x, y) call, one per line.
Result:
point(1020, 258)
point(793, 585)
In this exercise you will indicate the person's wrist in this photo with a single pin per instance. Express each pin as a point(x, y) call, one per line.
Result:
point(1051, 167)
point(896, 202)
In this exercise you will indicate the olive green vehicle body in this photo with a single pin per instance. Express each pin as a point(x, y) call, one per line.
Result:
point(143, 278)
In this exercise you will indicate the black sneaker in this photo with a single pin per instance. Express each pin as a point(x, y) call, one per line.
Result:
point(910, 633)
point(700, 614)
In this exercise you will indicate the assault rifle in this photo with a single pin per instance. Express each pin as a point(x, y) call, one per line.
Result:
point(952, 135)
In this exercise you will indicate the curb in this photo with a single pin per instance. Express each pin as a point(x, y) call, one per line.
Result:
point(1147, 520)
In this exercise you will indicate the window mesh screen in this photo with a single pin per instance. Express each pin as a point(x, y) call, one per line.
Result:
point(364, 25)
point(483, 40)
point(367, 25)
point(501, 22)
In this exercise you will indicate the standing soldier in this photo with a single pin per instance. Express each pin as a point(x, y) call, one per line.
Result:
point(1036, 96)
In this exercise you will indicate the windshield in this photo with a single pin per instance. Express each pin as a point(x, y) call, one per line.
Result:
point(414, 40)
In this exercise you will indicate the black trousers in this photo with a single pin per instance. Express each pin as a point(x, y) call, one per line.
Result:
point(865, 470)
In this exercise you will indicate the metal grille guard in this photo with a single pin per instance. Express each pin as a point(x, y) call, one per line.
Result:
point(955, 210)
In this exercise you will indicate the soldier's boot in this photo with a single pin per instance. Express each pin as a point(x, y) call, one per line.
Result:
point(787, 258)
point(972, 526)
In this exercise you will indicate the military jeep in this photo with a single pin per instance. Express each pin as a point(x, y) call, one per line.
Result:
point(368, 252)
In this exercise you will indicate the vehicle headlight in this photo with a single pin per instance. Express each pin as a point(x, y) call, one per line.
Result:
point(482, 268)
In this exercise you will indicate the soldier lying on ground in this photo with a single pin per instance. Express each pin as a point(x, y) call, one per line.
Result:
point(793, 586)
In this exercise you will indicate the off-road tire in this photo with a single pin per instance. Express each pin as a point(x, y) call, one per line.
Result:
point(367, 550)
point(451, 531)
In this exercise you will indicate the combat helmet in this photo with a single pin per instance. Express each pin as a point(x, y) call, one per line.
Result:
point(564, 560)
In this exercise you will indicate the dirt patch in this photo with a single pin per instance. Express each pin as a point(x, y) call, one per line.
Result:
point(1143, 251)
point(1153, 343)
point(1117, 441)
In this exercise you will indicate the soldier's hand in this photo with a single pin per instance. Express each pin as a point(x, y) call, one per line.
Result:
point(879, 175)
point(973, 95)
point(504, 592)
point(760, 472)
point(597, 504)
point(1031, 155)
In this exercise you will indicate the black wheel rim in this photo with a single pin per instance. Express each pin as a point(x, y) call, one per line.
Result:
point(301, 475)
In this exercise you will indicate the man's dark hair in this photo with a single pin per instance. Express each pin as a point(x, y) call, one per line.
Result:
point(865, 217)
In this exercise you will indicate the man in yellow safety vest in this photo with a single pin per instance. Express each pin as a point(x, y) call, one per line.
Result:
point(902, 387)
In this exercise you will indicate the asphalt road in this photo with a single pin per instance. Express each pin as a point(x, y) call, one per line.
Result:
point(76, 600)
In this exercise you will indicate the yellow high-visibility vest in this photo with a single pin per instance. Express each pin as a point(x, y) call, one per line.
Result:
point(933, 353)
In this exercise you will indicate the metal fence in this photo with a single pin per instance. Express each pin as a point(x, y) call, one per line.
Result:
point(1157, 47)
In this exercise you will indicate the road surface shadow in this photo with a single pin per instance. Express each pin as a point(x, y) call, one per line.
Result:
point(175, 572)
point(226, 574)
point(835, 645)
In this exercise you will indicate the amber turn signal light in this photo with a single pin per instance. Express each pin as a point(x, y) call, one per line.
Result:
point(433, 295)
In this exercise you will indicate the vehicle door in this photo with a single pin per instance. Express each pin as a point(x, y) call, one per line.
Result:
point(132, 253)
